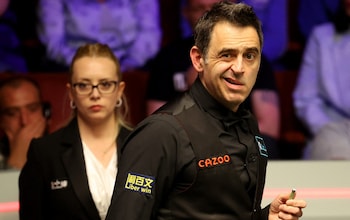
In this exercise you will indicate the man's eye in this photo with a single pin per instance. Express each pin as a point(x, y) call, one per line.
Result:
point(250, 56)
point(34, 107)
point(226, 55)
point(10, 112)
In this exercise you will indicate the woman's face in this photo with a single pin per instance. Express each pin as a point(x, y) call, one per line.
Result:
point(95, 88)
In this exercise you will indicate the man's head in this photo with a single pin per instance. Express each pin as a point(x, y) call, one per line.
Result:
point(227, 52)
point(20, 103)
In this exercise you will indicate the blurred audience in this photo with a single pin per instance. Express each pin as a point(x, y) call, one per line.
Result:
point(131, 28)
point(274, 17)
point(70, 174)
point(21, 119)
point(171, 73)
point(314, 12)
point(11, 56)
point(320, 97)
point(26, 29)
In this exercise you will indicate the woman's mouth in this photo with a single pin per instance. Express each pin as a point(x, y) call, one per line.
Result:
point(95, 107)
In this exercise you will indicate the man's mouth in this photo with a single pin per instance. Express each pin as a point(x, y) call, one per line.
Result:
point(233, 81)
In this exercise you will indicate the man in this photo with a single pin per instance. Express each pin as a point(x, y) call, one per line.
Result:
point(172, 73)
point(201, 156)
point(21, 119)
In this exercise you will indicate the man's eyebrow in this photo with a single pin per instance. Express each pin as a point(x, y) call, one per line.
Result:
point(253, 49)
point(230, 50)
point(33, 104)
point(8, 110)
point(22, 106)
point(227, 50)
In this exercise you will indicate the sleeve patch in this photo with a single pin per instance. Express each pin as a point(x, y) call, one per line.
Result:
point(139, 183)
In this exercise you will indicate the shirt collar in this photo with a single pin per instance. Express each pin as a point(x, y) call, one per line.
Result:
point(207, 103)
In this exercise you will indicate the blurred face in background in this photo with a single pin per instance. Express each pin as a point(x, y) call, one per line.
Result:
point(20, 106)
point(194, 9)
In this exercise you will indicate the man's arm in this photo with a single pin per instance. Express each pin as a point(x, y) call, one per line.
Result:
point(146, 170)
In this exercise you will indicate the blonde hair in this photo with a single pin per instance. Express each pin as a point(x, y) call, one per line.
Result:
point(103, 50)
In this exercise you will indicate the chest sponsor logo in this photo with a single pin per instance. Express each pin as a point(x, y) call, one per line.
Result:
point(214, 161)
point(59, 184)
point(139, 183)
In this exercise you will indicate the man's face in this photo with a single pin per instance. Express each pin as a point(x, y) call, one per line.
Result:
point(230, 68)
point(20, 106)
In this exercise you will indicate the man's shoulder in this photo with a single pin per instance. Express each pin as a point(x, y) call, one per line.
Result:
point(164, 120)
point(177, 105)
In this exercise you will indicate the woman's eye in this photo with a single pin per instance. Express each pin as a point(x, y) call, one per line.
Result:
point(105, 84)
point(82, 85)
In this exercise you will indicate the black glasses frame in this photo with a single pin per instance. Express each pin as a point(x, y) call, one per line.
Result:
point(97, 86)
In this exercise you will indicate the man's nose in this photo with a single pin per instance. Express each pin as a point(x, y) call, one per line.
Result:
point(24, 117)
point(237, 65)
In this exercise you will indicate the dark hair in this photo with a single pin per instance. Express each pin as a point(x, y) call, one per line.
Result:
point(16, 82)
point(103, 50)
point(341, 19)
point(238, 14)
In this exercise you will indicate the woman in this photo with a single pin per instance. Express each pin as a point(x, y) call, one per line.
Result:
point(70, 174)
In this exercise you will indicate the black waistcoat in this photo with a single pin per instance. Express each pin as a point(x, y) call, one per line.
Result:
point(217, 192)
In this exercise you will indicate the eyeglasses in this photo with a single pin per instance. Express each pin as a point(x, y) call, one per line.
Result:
point(105, 87)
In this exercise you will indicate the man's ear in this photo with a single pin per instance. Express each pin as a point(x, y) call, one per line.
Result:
point(197, 59)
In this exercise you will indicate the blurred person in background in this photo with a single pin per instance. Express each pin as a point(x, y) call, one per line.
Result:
point(321, 93)
point(314, 12)
point(130, 28)
point(22, 118)
point(11, 56)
